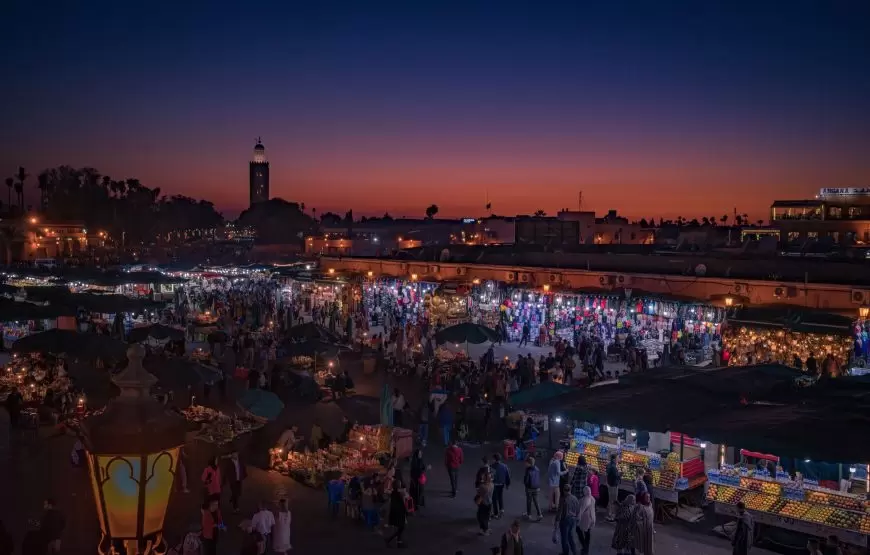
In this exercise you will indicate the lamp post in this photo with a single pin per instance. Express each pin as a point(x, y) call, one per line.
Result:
point(132, 451)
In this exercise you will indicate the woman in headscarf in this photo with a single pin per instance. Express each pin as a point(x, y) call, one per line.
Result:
point(586, 520)
point(643, 531)
point(623, 532)
point(418, 478)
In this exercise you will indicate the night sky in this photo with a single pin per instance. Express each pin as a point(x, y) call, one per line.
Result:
point(651, 108)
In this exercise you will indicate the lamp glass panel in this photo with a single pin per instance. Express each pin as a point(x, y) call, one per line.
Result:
point(95, 472)
point(160, 474)
point(121, 493)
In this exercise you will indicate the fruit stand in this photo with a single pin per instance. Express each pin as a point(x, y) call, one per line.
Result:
point(670, 476)
point(799, 506)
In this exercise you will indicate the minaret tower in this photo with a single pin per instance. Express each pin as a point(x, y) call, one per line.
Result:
point(259, 177)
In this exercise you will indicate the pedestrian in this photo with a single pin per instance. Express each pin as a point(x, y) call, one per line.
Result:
point(418, 479)
point(644, 529)
point(566, 520)
point(482, 471)
point(181, 484)
point(192, 543)
point(623, 532)
point(51, 526)
point(532, 483)
point(7, 544)
point(398, 515)
point(613, 478)
point(501, 480)
point(211, 479)
point(235, 474)
point(832, 546)
point(281, 530)
point(512, 541)
point(483, 499)
point(212, 524)
point(586, 520)
point(263, 522)
point(452, 461)
point(593, 482)
point(445, 421)
point(34, 541)
point(554, 477)
point(743, 534)
point(423, 430)
point(398, 402)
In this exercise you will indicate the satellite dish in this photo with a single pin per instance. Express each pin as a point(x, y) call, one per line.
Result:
point(701, 270)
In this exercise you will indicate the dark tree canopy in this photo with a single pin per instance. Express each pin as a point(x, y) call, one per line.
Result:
point(277, 221)
point(123, 207)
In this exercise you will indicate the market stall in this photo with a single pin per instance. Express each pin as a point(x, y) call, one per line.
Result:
point(795, 504)
point(368, 448)
point(219, 428)
point(673, 479)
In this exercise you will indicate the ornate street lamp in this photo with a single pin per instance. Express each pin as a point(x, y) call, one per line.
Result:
point(132, 451)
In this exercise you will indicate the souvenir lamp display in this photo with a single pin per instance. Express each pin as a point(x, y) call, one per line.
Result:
point(219, 428)
point(669, 475)
point(362, 454)
point(796, 504)
point(31, 377)
point(754, 346)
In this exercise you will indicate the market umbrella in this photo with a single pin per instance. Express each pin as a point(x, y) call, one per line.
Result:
point(73, 343)
point(218, 336)
point(156, 331)
point(386, 406)
point(541, 392)
point(180, 372)
point(466, 333)
point(310, 348)
point(310, 330)
point(260, 403)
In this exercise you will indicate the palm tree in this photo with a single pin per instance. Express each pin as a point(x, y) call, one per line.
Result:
point(19, 187)
point(19, 196)
point(724, 219)
point(540, 213)
point(738, 220)
point(9, 184)
point(42, 185)
point(705, 220)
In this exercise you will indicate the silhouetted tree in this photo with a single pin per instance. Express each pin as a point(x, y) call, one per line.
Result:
point(540, 213)
point(10, 182)
point(21, 176)
point(431, 211)
point(724, 219)
point(643, 223)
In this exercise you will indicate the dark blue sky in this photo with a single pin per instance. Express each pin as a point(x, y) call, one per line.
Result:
point(650, 107)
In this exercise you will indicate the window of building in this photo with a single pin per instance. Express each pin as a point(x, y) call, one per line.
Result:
point(812, 234)
point(835, 212)
point(794, 236)
point(855, 211)
point(835, 235)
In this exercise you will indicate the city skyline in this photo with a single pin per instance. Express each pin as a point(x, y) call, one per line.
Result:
point(396, 107)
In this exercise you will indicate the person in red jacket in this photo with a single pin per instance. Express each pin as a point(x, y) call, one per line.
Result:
point(453, 460)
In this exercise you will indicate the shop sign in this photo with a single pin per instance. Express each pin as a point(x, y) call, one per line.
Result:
point(845, 191)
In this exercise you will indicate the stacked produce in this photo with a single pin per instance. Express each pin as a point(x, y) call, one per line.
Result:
point(791, 500)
